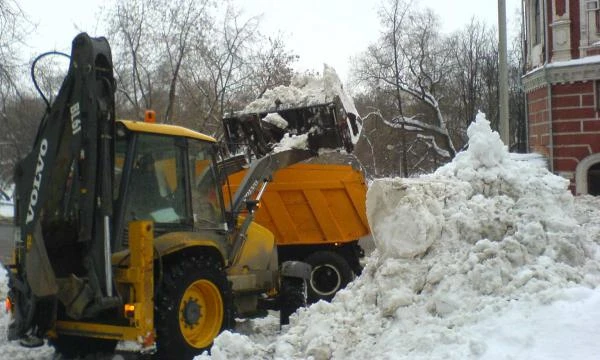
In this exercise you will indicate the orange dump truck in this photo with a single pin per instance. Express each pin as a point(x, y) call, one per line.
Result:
point(317, 213)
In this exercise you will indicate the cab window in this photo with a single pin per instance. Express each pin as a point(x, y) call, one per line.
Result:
point(206, 197)
point(157, 183)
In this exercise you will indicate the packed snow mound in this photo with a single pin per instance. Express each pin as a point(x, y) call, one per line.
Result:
point(487, 234)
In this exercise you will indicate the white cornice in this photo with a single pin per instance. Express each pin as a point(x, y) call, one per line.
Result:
point(586, 69)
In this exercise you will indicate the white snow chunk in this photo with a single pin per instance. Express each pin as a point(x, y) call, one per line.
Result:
point(275, 119)
point(292, 142)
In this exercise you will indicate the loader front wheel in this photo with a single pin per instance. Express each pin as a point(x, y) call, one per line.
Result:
point(330, 273)
point(193, 306)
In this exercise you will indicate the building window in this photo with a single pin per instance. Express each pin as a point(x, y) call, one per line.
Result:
point(537, 17)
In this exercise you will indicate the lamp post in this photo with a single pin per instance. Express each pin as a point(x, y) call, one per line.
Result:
point(503, 73)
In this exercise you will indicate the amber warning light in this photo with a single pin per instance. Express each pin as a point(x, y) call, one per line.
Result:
point(129, 310)
point(150, 116)
point(8, 305)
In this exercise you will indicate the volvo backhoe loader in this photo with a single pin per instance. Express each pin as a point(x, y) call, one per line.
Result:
point(123, 233)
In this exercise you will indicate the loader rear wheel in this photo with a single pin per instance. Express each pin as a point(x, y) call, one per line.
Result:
point(74, 347)
point(193, 306)
point(330, 273)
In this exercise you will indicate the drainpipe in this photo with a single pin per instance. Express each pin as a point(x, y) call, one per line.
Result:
point(548, 87)
point(524, 57)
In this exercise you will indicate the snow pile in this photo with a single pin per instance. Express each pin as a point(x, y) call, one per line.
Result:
point(467, 258)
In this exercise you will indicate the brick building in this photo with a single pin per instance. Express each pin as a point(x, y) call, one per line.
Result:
point(562, 86)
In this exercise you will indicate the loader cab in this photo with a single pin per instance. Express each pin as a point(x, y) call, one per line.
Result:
point(165, 174)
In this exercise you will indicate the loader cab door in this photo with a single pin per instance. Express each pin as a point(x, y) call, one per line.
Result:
point(207, 199)
point(152, 184)
point(170, 180)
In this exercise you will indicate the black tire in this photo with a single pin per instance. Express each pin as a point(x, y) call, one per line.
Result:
point(292, 297)
point(330, 273)
point(191, 286)
point(78, 347)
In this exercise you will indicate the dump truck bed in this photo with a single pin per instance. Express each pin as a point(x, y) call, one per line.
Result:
point(313, 204)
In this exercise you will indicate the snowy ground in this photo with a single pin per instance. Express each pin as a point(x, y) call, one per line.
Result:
point(490, 257)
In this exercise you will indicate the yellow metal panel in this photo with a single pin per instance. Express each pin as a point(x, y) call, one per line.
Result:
point(176, 241)
point(294, 211)
point(164, 129)
point(139, 274)
point(256, 250)
point(101, 331)
point(324, 216)
point(142, 259)
point(273, 207)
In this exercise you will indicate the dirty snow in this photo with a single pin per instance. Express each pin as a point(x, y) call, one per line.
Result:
point(490, 257)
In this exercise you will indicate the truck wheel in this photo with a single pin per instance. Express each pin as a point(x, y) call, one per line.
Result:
point(73, 347)
point(193, 306)
point(293, 297)
point(330, 273)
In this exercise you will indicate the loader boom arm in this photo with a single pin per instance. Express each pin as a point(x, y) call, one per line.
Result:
point(64, 192)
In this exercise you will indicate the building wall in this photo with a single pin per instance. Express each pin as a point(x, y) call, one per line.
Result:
point(566, 127)
point(539, 124)
point(575, 125)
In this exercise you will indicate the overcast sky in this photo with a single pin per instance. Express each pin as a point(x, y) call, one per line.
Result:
point(319, 31)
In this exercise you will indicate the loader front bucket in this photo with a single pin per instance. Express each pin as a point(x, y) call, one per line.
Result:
point(325, 125)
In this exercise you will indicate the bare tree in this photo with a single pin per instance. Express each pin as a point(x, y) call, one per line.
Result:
point(428, 64)
point(129, 27)
point(184, 23)
point(152, 39)
point(191, 61)
point(410, 64)
point(269, 65)
point(13, 27)
point(469, 47)
point(217, 72)
point(12, 22)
